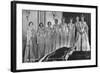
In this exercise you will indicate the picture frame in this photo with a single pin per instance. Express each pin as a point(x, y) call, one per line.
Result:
point(19, 8)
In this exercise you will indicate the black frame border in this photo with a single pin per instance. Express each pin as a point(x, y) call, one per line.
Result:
point(13, 35)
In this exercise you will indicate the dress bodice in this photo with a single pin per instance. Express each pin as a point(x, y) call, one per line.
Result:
point(40, 32)
point(82, 27)
point(29, 33)
point(48, 31)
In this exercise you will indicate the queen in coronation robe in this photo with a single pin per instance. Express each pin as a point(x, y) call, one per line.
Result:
point(85, 40)
point(82, 36)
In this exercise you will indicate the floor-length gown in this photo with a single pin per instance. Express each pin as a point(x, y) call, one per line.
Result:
point(34, 43)
point(41, 42)
point(82, 37)
point(78, 36)
point(29, 56)
point(71, 34)
point(48, 40)
point(66, 35)
point(56, 38)
point(62, 34)
point(85, 41)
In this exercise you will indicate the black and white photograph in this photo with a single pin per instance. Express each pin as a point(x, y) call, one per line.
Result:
point(55, 36)
point(47, 36)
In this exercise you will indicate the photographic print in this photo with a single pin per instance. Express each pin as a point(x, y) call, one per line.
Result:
point(53, 36)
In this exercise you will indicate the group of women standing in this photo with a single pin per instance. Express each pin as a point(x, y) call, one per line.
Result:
point(47, 39)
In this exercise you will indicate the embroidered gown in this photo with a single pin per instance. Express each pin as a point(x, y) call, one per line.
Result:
point(63, 34)
point(66, 35)
point(85, 41)
point(30, 45)
point(41, 42)
point(82, 37)
point(71, 34)
point(56, 36)
point(48, 40)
